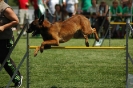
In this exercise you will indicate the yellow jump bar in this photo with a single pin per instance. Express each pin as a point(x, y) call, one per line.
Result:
point(79, 47)
point(122, 23)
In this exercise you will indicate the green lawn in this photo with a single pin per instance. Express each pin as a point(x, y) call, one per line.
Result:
point(73, 68)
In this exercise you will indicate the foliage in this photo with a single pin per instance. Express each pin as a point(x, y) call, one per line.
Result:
point(13, 2)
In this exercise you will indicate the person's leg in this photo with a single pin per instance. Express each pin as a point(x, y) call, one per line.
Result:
point(106, 27)
point(26, 15)
point(26, 19)
point(9, 66)
point(113, 31)
point(97, 25)
point(123, 27)
point(101, 26)
point(36, 14)
point(118, 31)
point(21, 15)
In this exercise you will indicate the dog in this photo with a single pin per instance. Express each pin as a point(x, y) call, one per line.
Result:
point(60, 32)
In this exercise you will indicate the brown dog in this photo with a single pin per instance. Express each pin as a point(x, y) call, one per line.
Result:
point(60, 32)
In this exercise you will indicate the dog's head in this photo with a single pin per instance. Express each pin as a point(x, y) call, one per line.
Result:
point(35, 26)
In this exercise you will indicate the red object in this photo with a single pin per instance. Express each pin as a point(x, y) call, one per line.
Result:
point(35, 5)
point(23, 4)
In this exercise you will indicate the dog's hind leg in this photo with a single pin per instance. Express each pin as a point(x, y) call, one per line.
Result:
point(36, 51)
point(86, 40)
point(85, 34)
point(96, 35)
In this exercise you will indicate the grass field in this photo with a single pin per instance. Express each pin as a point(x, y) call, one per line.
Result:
point(73, 68)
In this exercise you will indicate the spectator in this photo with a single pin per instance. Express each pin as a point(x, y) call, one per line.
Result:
point(116, 16)
point(8, 19)
point(94, 8)
point(23, 14)
point(58, 13)
point(37, 12)
point(85, 4)
point(64, 14)
point(61, 2)
point(103, 14)
point(127, 13)
point(103, 8)
point(51, 5)
point(42, 4)
point(71, 6)
point(123, 3)
point(93, 11)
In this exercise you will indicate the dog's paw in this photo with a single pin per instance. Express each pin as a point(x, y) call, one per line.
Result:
point(87, 44)
point(35, 53)
point(41, 49)
point(97, 39)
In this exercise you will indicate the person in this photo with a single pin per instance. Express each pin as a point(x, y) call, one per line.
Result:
point(85, 4)
point(93, 12)
point(65, 15)
point(22, 14)
point(42, 4)
point(123, 3)
point(37, 13)
point(127, 13)
point(116, 16)
point(61, 2)
point(51, 6)
point(103, 14)
point(71, 6)
point(58, 13)
point(8, 19)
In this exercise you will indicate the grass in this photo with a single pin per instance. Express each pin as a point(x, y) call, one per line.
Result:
point(73, 68)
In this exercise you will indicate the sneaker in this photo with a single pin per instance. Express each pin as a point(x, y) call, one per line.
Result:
point(18, 32)
point(18, 84)
point(24, 33)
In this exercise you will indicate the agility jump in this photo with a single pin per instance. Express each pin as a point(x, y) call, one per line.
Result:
point(128, 57)
point(79, 47)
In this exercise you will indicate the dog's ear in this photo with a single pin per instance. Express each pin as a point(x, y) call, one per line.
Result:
point(46, 23)
point(41, 19)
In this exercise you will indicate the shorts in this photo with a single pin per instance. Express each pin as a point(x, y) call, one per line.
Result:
point(23, 16)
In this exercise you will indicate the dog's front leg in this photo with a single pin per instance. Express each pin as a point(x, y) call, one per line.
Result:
point(36, 51)
point(48, 42)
